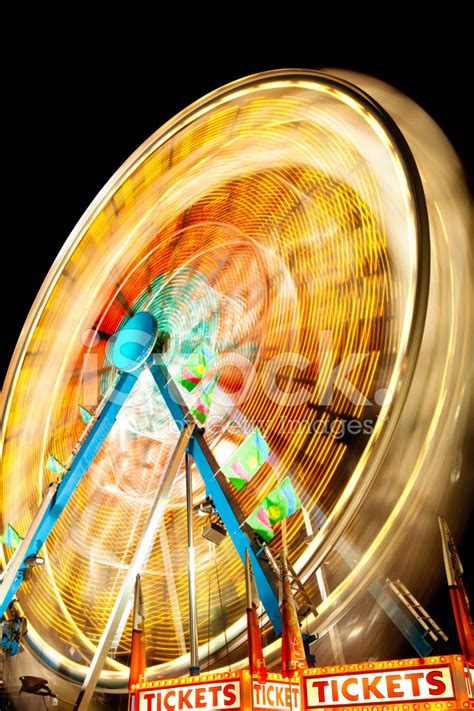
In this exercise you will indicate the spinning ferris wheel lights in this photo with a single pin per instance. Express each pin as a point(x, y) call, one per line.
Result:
point(302, 231)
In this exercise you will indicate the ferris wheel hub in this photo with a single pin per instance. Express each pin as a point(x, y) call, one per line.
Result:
point(134, 342)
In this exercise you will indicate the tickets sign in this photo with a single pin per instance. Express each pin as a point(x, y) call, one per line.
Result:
point(406, 684)
point(441, 683)
point(276, 695)
point(216, 695)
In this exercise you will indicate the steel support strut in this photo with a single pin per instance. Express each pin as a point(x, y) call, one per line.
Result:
point(220, 491)
point(193, 636)
point(59, 493)
point(140, 557)
point(132, 346)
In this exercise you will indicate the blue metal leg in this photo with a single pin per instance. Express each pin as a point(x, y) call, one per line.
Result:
point(401, 617)
point(66, 487)
point(221, 493)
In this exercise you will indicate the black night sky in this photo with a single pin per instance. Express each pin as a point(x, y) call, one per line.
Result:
point(77, 108)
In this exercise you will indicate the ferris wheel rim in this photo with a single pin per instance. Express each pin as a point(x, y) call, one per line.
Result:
point(420, 299)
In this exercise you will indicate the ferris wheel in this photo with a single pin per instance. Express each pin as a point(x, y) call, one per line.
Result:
point(304, 237)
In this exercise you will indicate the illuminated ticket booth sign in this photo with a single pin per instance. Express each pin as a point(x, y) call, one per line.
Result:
point(231, 691)
point(213, 692)
point(436, 683)
point(276, 694)
point(405, 685)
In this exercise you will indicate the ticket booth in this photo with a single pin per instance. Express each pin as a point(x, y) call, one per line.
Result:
point(404, 685)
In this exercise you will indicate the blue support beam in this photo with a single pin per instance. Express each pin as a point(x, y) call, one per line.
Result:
point(395, 610)
point(67, 486)
point(219, 489)
point(402, 618)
